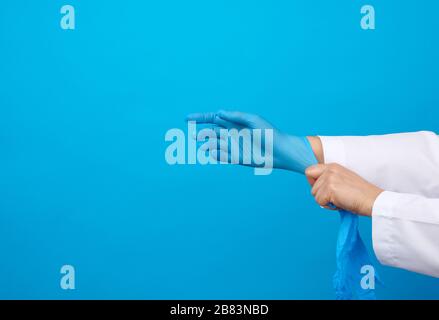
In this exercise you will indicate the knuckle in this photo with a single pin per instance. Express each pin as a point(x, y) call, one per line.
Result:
point(331, 178)
point(332, 187)
point(334, 167)
point(332, 182)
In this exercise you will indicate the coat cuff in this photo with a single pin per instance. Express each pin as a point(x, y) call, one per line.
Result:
point(334, 150)
point(385, 244)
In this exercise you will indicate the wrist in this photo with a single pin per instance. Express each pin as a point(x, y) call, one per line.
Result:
point(374, 193)
point(317, 148)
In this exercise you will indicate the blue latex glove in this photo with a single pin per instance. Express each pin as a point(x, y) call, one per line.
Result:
point(295, 154)
point(289, 152)
point(351, 257)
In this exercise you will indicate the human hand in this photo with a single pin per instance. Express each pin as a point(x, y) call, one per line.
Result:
point(334, 184)
point(289, 152)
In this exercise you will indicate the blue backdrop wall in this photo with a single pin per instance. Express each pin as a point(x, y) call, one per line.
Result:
point(83, 114)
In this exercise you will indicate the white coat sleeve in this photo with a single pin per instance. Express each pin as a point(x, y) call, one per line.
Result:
point(404, 162)
point(405, 218)
point(405, 232)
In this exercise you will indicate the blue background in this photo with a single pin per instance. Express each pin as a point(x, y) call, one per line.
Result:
point(83, 114)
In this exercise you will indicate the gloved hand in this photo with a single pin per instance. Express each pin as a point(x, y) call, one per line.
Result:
point(289, 152)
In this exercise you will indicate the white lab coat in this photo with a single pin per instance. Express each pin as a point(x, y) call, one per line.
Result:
point(405, 217)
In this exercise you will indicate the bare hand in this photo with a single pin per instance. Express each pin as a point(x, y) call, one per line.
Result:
point(333, 183)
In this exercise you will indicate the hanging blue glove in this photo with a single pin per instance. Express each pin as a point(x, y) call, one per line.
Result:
point(295, 154)
point(351, 256)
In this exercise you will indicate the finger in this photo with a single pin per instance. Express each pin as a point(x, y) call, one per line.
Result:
point(318, 184)
point(215, 144)
point(311, 180)
point(322, 197)
point(236, 117)
point(206, 117)
point(212, 118)
point(220, 156)
point(321, 184)
point(314, 172)
point(209, 145)
point(227, 124)
point(211, 132)
point(329, 208)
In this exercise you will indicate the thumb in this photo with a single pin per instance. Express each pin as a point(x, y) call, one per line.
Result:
point(314, 172)
point(311, 181)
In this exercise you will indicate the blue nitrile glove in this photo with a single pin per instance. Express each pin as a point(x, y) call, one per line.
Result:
point(351, 257)
point(295, 154)
point(289, 152)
